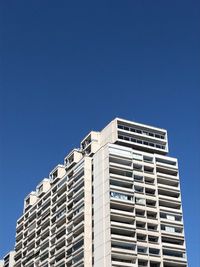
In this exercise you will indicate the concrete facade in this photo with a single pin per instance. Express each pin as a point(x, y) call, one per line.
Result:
point(8, 260)
point(115, 201)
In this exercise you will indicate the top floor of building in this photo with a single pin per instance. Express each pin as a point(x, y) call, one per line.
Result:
point(119, 131)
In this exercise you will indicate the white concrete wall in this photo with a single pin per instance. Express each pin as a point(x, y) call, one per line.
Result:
point(102, 242)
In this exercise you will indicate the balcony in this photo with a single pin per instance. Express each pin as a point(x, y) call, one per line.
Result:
point(72, 158)
point(174, 255)
point(57, 173)
point(126, 248)
point(121, 197)
point(43, 187)
point(123, 261)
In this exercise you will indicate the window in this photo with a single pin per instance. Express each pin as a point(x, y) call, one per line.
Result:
point(120, 126)
point(138, 178)
point(137, 156)
point(139, 189)
point(142, 263)
point(158, 146)
point(126, 128)
point(169, 229)
point(148, 159)
point(153, 239)
point(142, 250)
point(137, 167)
point(141, 237)
point(140, 201)
point(152, 227)
point(154, 251)
point(121, 196)
point(140, 213)
point(170, 217)
point(173, 253)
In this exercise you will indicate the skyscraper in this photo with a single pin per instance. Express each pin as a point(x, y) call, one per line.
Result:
point(115, 201)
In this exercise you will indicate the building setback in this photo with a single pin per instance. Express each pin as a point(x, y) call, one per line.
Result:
point(114, 202)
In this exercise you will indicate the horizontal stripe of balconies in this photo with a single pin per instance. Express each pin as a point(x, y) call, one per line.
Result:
point(173, 246)
point(58, 209)
point(121, 177)
point(146, 174)
point(166, 170)
point(172, 234)
point(30, 263)
point(174, 222)
point(172, 263)
point(169, 198)
point(146, 220)
point(78, 232)
point(128, 253)
point(122, 189)
point(63, 199)
point(168, 176)
point(121, 166)
point(126, 256)
point(19, 236)
point(169, 203)
point(77, 251)
point(121, 202)
point(60, 263)
point(147, 232)
point(79, 263)
point(78, 184)
point(19, 228)
point(122, 212)
point(61, 189)
point(18, 256)
point(120, 225)
point(170, 210)
point(145, 184)
point(121, 219)
point(77, 238)
point(146, 196)
point(146, 207)
point(122, 264)
point(169, 188)
point(174, 259)
point(79, 193)
point(123, 238)
point(170, 166)
point(121, 183)
point(18, 263)
point(78, 226)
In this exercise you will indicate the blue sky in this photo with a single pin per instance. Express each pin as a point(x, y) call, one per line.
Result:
point(68, 67)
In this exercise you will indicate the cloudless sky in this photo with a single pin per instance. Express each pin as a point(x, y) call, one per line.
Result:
point(68, 67)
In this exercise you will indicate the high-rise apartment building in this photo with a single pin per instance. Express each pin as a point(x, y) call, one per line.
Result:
point(115, 201)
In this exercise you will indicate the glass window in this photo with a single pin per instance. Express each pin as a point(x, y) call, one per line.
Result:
point(169, 229)
point(120, 196)
point(140, 201)
point(170, 217)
